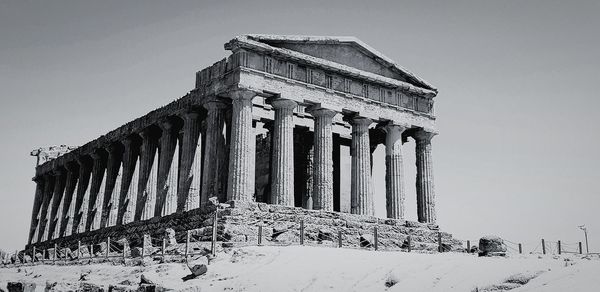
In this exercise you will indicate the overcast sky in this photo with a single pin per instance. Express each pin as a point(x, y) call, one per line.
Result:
point(517, 153)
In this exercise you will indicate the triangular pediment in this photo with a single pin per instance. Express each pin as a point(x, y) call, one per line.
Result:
point(348, 51)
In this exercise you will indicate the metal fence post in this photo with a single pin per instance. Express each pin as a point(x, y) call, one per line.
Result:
point(543, 246)
point(440, 248)
point(375, 237)
point(107, 247)
point(468, 246)
point(78, 250)
point(91, 251)
point(213, 246)
point(143, 246)
point(164, 246)
point(43, 255)
point(33, 256)
point(580, 248)
point(301, 232)
point(260, 229)
point(55, 254)
point(339, 238)
point(187, 243)
point(409, 240)
point(520, 248)
point(124, 250)
point(559, 247)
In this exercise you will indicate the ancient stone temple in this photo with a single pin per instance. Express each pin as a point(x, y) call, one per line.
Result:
point(282, 123)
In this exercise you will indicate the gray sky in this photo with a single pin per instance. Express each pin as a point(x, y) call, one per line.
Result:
point(517, 153)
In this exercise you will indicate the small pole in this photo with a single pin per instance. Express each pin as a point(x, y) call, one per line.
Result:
point(260, 234)
point(66, 255)
point(55, 254)
point(143, 246)
point(124, 250)
point(33, 257)
point(78, 250)
point(375, 237)
point(543, 246)
point(520, 248)
point(164, 246)
point(440, 249)
point(580, 248)
point(187, 243)
point(559, 248)
point(468, 246)
point(91, 251)
point(107, 247)
point(213, 246)
point(43, 255)
point(339, 238)
point(301, 232)
point(409, 239)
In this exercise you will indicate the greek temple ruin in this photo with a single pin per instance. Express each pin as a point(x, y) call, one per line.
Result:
point(283, 123)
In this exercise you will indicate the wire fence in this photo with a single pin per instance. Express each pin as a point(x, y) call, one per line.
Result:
point(208, 240)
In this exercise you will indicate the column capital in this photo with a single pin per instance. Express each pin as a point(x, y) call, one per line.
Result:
point(83, 161)
point(97, 155)
point(322, 112)
point(423, 136)
point(129, 140)
point(113, 147)
point(58, 171)
point(215, 105)
point(71, 166)
point(190, 115)
point(165, 124)
point(242, 95)
point(281, 103)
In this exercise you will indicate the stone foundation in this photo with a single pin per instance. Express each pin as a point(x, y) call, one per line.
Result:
point(239, 221)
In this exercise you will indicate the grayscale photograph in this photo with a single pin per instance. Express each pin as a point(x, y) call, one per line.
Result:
point(299, 145)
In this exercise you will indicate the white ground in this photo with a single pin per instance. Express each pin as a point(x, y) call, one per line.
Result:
point(297, 268)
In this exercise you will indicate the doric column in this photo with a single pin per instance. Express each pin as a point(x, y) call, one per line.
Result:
point(241, 151)
point(42, 221)
point(37, 203)
point(97, 189)
point(146, 199)
point(190, 172)
point(59, 188)
point(129, 184)
point(362, 182)
point(214, 147)
point(168, 165)
point(114, 176)
point(83, 195)
point(282, 170)
point(66, 228)
point(323, 161)
point(425, 187)
point(394, 171)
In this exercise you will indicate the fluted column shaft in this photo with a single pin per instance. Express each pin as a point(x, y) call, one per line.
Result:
point(37, 203)
point(394, 172)
point(282, 170)
point(240, 186)
point(166, 202)
point(190, 172)
point(129, 185)
point(215, 146)
point(97, 190)
point(425, 187)
point(146, 200)
point(68, 215)
point(83, 196)
point(323, 160)
point(362, 182)
point(112, 186)
point(59, 187)
point(42, 221)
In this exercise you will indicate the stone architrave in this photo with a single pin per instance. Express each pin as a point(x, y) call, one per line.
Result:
point(424, 183)
point(394, 171)
point(362, 183)
point(215, 145)
point(323, 159)
point(241, 151)
point(282, 175)
point(190, 171)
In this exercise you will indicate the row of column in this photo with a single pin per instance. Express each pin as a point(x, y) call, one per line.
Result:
point(147, 175)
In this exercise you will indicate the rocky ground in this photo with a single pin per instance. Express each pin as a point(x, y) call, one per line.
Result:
point(304, 268)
